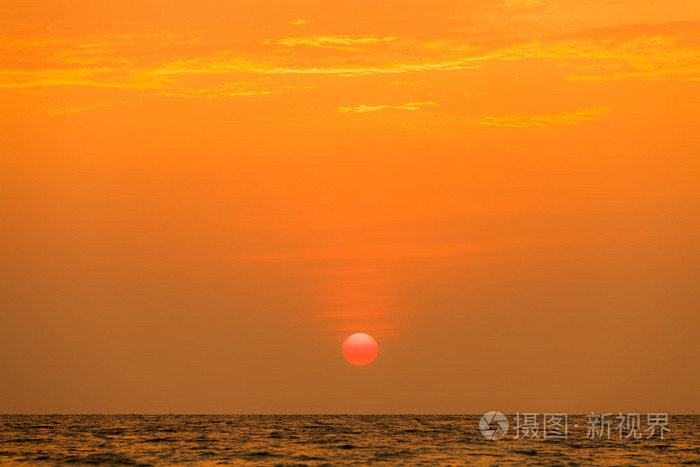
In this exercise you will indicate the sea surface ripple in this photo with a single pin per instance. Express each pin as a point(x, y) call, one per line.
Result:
point(143, 440)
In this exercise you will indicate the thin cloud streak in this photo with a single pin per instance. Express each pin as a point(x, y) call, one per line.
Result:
point(374, 108)
point(564, 118)
point(331, 42)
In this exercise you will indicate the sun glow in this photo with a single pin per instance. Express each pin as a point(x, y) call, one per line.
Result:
point(360, 349)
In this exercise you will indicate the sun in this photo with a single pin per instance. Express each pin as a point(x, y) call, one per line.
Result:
point(360, 349)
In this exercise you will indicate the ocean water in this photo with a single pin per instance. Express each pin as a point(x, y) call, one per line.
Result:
point(320, 440)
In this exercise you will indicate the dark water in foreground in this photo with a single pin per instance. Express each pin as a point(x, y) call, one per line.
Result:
point(319, 440)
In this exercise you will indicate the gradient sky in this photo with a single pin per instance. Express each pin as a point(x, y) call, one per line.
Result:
point(202, 199)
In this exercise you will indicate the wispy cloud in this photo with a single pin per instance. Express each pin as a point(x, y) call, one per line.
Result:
point(166, 77)
point(114, 61)
point(227, 90)
point(522, 3)
point(69, 110)
point(103, 77)
point(331, 42)
point(225, 63)
point(74, 109)
point(374, 108)
point(656, 57)
point(564, 118)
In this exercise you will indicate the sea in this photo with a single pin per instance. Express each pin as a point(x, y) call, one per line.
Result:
point(206, 440)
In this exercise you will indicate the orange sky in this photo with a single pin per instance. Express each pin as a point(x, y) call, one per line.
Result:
point(202, 199)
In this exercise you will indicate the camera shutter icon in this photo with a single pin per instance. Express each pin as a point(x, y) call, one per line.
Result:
point(493, 425)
